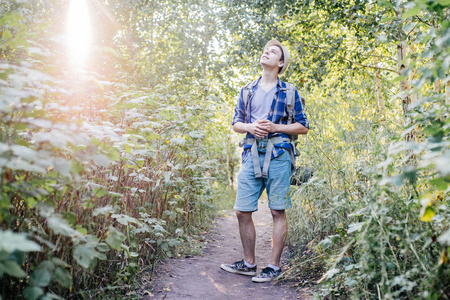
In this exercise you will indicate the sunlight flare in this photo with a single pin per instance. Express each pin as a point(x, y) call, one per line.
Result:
point(79, 31)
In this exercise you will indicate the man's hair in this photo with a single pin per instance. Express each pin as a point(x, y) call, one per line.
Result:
point(281, 58)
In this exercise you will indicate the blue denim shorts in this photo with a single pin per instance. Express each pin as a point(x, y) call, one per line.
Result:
point(277, 184)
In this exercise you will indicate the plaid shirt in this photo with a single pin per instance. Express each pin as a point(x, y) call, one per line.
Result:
point(278, 114)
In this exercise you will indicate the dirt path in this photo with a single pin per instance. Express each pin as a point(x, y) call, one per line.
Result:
point(200, 277)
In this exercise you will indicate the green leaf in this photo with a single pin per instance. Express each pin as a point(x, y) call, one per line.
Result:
point(445, 238)
point(355, 227)
point(62, 277)
point(385, 3)
point(33, 292)
point(6, 34)
point(412, 12)
point(427, 215)
point(59, 262)
point(385, 20)
point(444, 2)
point(115, 238)
point(85, 254)
point(103, 210)
point(124, 219)
point(81, 230)
point(59, 225)
point(102, 247)
point(101, 160)
point(12, 268)
point(127, 148)
point(99, 192)
point(41, 277)
point(10, 242)
point(440, 183)
point(70, 217)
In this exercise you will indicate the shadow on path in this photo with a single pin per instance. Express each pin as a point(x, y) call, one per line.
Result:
point(200, 277)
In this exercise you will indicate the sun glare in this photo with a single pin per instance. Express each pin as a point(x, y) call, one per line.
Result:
point(78, 31)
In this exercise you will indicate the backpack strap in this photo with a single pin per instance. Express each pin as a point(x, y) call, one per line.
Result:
point(290, 101)
point(247, 91)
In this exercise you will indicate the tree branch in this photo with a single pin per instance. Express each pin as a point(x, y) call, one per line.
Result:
point(353, 62)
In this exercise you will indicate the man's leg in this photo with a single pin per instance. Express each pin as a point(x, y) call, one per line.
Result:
point(278, 236)
point(248, 192)
point(277, 190)
point(248, 235)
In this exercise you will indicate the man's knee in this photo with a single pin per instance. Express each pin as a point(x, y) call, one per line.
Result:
point(278, 214)
point(243, 215)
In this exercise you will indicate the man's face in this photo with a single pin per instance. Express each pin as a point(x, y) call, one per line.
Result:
point(271, 57)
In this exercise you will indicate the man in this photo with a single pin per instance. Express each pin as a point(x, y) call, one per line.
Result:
point(262, 112)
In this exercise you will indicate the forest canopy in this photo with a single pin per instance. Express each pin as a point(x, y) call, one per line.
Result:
point(116, 146)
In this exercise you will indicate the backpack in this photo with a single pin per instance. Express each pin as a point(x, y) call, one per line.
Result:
point(290, 99)
point(299, 174)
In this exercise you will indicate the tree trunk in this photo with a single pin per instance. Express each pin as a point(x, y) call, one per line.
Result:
point(406, 99)
point(380, 99)
point(447, 93)
point(228, 160)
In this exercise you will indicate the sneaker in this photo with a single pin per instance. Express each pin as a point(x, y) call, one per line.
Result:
point(266, 275)
point(239, 267)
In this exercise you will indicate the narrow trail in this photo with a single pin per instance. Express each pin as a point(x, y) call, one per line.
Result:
point(200, 277)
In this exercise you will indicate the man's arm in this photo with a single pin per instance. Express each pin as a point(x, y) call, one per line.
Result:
point(256, 128)
point(291, 129)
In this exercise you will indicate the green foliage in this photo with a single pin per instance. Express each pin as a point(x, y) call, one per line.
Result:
point(104, 172)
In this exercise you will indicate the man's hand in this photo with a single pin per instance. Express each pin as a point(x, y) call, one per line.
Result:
point(268, 126)
point(257, 129)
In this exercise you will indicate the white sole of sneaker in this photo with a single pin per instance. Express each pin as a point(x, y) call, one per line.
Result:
point(256, 279)
point(225, 268)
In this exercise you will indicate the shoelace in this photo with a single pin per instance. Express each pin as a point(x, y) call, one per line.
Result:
point(268, 271)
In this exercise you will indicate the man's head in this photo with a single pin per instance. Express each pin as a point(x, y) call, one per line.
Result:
point(277, 48)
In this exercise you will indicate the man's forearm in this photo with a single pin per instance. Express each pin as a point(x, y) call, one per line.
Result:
point(240, 127)
point(291, 129)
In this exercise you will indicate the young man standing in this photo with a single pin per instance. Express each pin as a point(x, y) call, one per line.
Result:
point(262, 113)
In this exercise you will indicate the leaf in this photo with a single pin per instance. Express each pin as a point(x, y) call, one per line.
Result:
point(41, 277)
point(115, 238)
point(62, 277)
point(33, 292)
point(10, 242)
point(124, 219)
point(102, 247)
point(101, 160)
point(355, 227)
point(99, 192)
point(179, 141)
point(396, 180)
point(59, 225)
point(412, 12)
point(439, 183)
point(59, 262)
point(325, 243)
point(85, 254)
point(6, 34)
point(428, 214)
point(12, 268)
point(445, 238)
point(103, 210)
point(127, 148)
point(62, 166)
point(385, 3)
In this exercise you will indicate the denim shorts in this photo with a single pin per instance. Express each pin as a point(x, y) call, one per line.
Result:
point(277, 184)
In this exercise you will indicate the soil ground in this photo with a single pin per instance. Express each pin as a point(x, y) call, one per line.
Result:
point(200, 277)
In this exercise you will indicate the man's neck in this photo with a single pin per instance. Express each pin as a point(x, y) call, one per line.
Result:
point(269, 78)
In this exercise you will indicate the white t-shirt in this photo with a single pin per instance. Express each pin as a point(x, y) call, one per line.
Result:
point(261, 103)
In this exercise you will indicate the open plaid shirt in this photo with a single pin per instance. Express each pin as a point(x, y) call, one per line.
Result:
point(278, 114)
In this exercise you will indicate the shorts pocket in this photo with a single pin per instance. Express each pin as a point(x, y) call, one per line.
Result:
point(284, 156)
